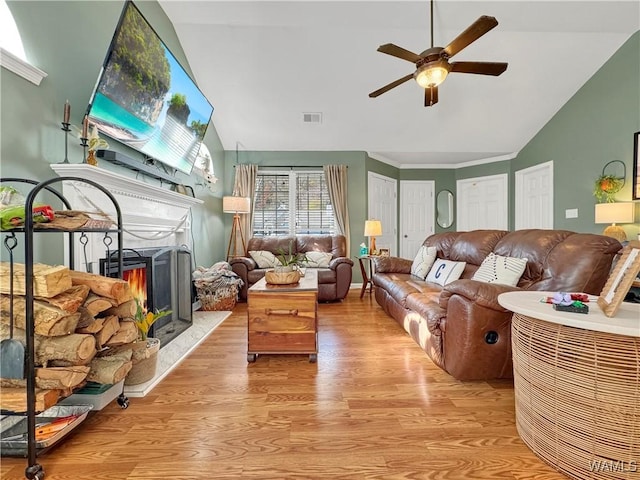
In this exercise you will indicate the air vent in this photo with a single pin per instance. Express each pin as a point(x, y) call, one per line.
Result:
point(312, 117)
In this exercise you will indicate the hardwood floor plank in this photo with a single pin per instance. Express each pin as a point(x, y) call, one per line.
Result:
point(373, 407)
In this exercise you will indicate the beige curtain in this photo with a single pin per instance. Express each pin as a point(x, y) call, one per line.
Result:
point(245, 186)
point(336, 177)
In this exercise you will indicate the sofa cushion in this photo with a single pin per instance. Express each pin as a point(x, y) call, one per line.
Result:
point(265, 259)
point(445, 271)
point(317, 259)
point(499, 269)
point(423, 261)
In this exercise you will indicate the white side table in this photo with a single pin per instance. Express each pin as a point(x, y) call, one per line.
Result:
point(577, 386)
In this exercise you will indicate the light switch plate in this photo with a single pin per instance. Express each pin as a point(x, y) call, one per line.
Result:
point(571, 213)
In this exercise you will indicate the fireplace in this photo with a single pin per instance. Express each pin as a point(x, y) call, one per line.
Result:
point(160, 279)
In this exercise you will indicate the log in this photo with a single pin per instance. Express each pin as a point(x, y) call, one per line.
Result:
point(86, 318)
point(52, 378)
point(69, 300)
point(93, 328)
point(96, 304)
point(127, 333)
point(124, 310)
point(48, 281)
point(15, 399)
point(111, 369)
point(113, 288)
point(48, 320)
point(74, 349)
point(109, 327)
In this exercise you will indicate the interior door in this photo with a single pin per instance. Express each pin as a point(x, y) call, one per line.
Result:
point(482, 203)
point(534, 197)
point(383, 205)
point(417, 207)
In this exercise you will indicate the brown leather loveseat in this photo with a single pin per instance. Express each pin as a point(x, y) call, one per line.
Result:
point(461, 326)
point(333, 281)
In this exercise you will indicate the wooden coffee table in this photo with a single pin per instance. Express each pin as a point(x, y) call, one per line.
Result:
point(283, 319)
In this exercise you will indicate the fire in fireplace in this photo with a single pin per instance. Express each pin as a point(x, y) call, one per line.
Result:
point(160, 279)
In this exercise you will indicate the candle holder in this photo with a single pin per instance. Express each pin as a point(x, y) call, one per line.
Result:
point(84, 144)
point(66, 130)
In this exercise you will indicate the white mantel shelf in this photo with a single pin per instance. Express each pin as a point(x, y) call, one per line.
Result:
point(126, 186)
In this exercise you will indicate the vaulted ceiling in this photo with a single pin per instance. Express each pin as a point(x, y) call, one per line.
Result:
point(264, 64)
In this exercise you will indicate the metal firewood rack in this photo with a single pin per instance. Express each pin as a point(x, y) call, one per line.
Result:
point(33, 469)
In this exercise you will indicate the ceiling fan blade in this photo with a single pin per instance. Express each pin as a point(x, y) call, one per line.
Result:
point(480, 68)
point(396, 51)
point(470, 35)
point(386, 88)
point(430, 96)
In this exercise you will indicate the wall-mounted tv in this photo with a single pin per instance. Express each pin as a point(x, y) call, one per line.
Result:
point(144, 98)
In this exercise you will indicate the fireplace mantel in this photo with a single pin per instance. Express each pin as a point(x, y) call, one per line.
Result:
point(122, 185)
point(151, 216)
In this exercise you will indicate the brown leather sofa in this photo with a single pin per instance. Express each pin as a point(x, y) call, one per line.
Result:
point(461, 326)
point(333, 282)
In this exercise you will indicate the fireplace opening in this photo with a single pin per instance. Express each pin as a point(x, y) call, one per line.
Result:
point(160, 279)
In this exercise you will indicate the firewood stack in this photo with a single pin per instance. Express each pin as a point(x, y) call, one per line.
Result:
point(84, 330)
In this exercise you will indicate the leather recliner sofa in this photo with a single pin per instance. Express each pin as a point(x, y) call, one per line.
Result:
point(333, 281)
point(461, 326)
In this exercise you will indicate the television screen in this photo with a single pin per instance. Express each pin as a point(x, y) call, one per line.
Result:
point(145, 99)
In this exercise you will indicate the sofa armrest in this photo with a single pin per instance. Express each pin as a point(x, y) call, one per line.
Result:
point(392, 265)
point(249, 263)
point(333, 265)
point(242, 266)
point(482, 293)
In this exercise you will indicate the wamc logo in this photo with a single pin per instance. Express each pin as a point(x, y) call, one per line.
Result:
point(613, 466)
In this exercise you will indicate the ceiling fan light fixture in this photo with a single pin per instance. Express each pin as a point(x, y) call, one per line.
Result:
point(431, 74)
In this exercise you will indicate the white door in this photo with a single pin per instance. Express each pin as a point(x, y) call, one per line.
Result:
point(482, 203)
point(417, 207)
point(534, 197)
point(383, 205)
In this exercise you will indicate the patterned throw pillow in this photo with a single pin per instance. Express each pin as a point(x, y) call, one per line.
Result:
point(423, 261)
point(502, 270)
point(318, 259)
point(445, 271)
point(264, 259)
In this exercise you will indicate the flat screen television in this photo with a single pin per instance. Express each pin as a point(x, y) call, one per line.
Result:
point(144, 98)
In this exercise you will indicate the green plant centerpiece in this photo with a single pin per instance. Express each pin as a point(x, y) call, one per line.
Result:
point(606, 186)
point(286, 273)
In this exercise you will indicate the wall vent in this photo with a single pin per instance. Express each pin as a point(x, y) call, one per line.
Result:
point(312, 117)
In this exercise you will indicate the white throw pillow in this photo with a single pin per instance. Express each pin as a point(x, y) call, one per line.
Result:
point(318, 259)
point(423, 261)
point(502, 270)
point(445, 271)
point(264, 258)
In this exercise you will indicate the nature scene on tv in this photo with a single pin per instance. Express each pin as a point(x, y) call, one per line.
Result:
point(146, 100)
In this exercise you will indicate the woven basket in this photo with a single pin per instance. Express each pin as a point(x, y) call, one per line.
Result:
point(215, 299)
point(144, 361)
point(282, 278)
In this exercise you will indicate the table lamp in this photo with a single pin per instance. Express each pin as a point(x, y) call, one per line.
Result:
point(236, 205)
point(372, 229)
point(620, 212)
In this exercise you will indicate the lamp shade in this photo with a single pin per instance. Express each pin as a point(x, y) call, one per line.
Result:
point(620, 212)
point(235, 204)
point(372, 228)
point(431, 75)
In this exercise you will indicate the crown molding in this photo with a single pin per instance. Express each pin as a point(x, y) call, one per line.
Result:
point(21, 67)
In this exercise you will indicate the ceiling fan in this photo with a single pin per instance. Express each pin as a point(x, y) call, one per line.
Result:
point(433, 66)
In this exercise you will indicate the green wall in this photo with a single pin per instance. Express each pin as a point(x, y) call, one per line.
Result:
point(594, 127)
point(69, 40)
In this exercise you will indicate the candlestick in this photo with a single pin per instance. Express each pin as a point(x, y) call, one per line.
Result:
point(85, 127)
point(66, 129)
point(67, 113)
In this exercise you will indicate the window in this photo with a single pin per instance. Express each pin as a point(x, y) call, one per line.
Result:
point(292, 203)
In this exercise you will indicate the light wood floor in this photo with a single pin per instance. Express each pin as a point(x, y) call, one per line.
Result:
point(373, 407)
